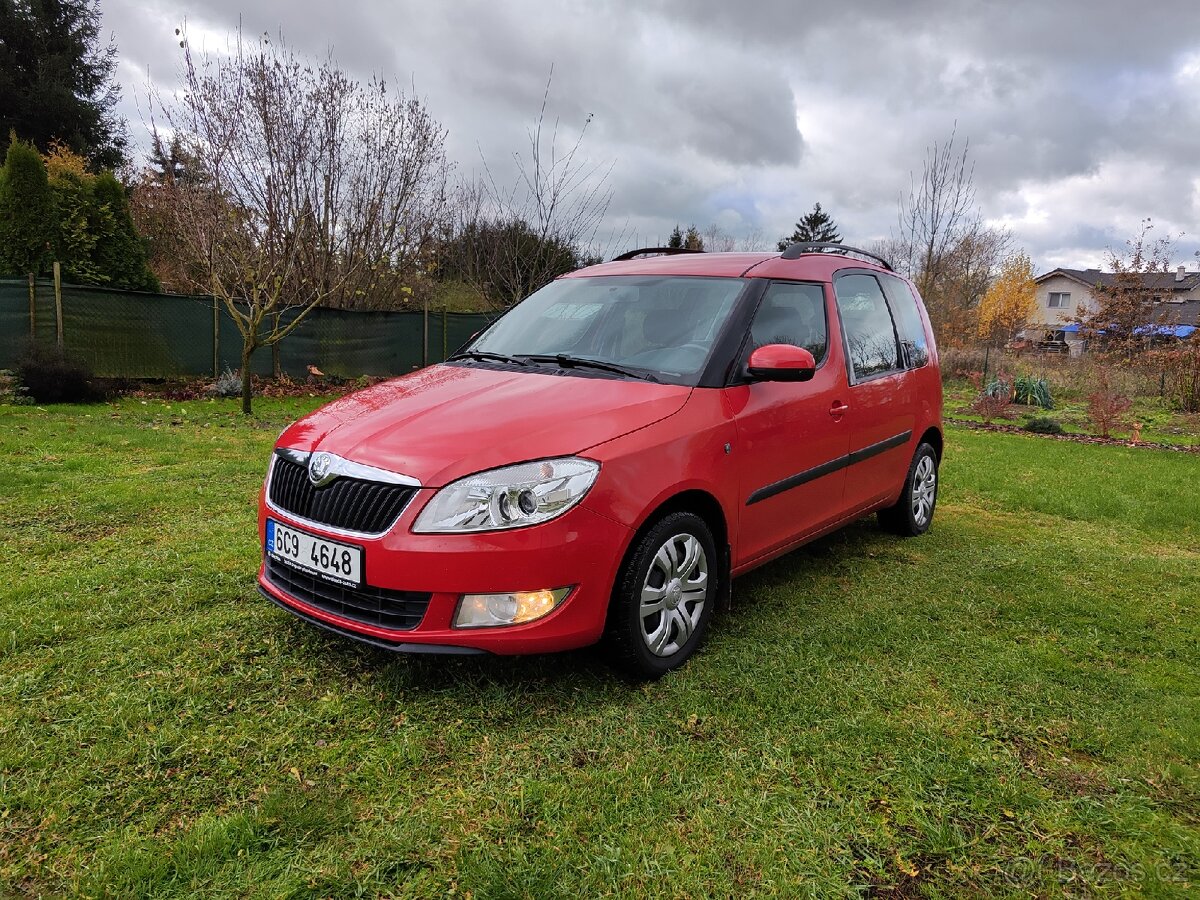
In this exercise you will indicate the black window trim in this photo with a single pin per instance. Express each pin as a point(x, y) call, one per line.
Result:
point(737, 374)
point(851, 376)
point(908, 364)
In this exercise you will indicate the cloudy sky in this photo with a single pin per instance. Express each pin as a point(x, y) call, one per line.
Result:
point(1083, 117)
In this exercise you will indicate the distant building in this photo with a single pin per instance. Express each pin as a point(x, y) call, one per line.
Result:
point(1062, 292)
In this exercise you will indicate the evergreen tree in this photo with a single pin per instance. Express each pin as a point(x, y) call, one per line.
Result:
point(120, 254)
point(817, 227)
point(76, 221)
point(689, 240)
point(171, 163)
point(93, 235)
point(56, 79)
point(26, 212)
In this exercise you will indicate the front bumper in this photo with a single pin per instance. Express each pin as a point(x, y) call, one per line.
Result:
point(582, 549)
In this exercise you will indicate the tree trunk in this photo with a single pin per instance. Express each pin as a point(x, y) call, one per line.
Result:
point(247, 349)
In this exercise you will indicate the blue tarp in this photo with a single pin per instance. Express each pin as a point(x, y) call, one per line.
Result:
point(1179, 331)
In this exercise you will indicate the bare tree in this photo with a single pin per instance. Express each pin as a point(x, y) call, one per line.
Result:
point(718, 240)
point(968, 268)
point(938, 210)
point(1128, 303)
point(754, 240)
point(318, 188)
point(892, 250)
point(941, 242)
point(511, 239)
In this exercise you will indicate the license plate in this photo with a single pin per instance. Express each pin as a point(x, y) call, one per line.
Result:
point(331, 560)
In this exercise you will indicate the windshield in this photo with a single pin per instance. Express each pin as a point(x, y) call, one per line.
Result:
point(664, 325)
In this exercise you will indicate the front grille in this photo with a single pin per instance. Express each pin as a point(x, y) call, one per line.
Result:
point(369, 507)
point(399, 610)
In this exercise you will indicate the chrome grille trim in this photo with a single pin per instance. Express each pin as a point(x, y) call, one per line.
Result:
point(375, 484)
point(348, 468)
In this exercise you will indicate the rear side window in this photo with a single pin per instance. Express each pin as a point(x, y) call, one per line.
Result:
point(911, 330)
point(792, 314)
point(867, 326)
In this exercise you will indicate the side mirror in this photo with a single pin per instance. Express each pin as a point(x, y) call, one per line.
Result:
point(781, 362)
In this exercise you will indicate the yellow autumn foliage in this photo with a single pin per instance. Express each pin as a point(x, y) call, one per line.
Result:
point(1010, 303)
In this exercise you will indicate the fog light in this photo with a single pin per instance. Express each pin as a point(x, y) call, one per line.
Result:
point(484, 610)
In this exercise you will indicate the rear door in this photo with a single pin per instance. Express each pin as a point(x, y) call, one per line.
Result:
point(880, 414)
point(791, 450)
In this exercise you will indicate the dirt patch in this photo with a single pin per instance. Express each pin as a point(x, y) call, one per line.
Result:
point(1076, 438)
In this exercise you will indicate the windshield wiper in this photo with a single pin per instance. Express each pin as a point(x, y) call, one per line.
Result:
point(487, 355)
point(582, 362)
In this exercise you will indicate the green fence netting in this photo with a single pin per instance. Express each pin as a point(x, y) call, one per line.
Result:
point(138, 335)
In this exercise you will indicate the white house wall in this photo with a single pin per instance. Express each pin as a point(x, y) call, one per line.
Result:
point(1060, 284)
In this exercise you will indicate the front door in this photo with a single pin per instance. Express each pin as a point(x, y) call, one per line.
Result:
point(791, 441)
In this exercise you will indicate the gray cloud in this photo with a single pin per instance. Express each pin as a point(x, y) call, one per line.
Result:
point(1082, 118)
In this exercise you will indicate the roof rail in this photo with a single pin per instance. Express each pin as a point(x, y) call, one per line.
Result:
point(646, 251)
point(796, 250)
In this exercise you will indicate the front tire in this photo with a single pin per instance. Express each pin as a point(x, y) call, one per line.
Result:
point(913, 512)
point(664, 596)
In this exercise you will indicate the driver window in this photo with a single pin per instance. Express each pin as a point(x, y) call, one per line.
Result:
point(792, 314)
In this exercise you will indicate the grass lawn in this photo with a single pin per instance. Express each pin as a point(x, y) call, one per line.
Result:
point(1160, 423)
point(1009, 705)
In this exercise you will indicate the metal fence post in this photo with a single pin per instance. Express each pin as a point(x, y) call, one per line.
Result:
point(425, 336)
point(58, 317)
point(216, 339)
point(32, 307)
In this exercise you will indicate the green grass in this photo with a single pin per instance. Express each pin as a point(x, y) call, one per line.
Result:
point(1160, 423)
point(1009, 705)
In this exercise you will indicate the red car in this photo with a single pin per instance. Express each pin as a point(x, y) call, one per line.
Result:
point(608, 455)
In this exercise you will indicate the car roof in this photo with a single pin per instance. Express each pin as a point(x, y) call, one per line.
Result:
point(806, 267)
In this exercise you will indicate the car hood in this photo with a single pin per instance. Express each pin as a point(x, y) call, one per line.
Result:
point(444, 422)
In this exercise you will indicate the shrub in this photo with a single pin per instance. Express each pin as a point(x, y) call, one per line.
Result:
point(1179, 374)
point(1000, 386)
point(973, 376)
point(1106, 404)
point(1032, 392)
point(228, 384)
point(994, 401)
point(48, 375)
point(1044, 425)
point(959, 360)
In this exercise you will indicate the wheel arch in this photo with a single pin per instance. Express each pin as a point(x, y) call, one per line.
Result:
point(933, 437)
point(705, 505)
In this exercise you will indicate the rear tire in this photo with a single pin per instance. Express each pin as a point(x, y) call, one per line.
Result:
point(663, 598)
point(913, 512)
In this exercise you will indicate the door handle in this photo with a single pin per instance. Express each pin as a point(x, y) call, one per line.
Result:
point(838, 409)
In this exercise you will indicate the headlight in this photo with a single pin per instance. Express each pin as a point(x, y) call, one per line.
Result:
point(512, 497)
